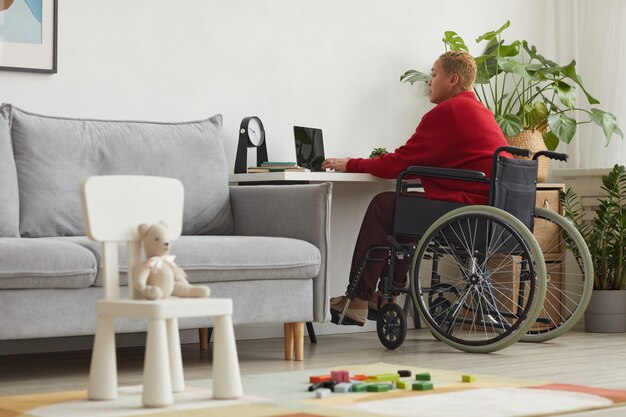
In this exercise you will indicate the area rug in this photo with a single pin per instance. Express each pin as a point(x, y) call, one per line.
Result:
point(286, 395)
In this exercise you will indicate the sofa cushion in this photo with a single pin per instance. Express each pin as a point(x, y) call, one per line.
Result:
point(229, 258)
point(53, 155)
point(9, 203)
point(237, 258)
point(45, 263)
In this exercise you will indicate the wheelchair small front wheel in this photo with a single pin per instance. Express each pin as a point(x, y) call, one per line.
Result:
point(391, 326)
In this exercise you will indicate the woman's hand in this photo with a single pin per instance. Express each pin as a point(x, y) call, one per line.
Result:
point(338, 164)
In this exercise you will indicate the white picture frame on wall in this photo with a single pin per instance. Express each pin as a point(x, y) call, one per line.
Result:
point(28, 35)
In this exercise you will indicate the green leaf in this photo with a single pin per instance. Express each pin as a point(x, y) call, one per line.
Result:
point(533, 55)
point(608, 122)
point(566, 93)
point(486, 66)
point(540, 111)
point(509, 50)
point(550, 140)
point(590, 98)
point(515, 67)
point(562, 126)
point(534, 69)
point(412, 76)
point(510, 124)
point(535, 116)
point(454, 41)
point(493, 34)
point(569, 71)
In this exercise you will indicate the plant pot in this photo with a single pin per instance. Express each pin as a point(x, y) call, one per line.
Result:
point(532, 140)
point(606, 312)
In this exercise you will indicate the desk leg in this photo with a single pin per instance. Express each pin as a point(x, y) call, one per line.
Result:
point(226, 375)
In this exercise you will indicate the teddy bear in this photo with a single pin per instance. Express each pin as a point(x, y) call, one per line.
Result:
point(159, 277)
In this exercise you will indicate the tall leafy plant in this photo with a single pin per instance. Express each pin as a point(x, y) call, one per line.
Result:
point(606, 234)
point(525, 90)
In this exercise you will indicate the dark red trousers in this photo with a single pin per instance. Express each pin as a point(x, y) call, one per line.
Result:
point(376, 226)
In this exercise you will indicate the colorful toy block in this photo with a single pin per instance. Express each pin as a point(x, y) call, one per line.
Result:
point(359, 387)
point(319, 378)
point(345, 376)
point(340, 376)
point(377, 387)
point(423, 377)
point(404, 372)
point(343, 387)
point(468, 378)
point(384, 377)
point(359, 377)
point(322, 393)
point(403, 384)
point(422, 386)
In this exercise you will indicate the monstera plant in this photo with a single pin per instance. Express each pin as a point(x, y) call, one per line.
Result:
point(526, 91)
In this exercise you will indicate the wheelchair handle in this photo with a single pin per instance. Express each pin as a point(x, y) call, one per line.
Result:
point(552, 155)
point(514, 150)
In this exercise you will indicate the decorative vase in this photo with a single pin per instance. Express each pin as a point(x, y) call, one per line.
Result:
point(532, 140)
point(606, 312)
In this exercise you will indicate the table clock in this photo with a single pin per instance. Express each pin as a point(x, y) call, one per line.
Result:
point(251, 135)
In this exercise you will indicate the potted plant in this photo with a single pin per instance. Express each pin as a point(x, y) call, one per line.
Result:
point(606, 237)
point(527, 92)
point(378, 152)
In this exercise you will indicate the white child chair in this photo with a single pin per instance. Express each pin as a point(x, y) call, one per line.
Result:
point(113, 207)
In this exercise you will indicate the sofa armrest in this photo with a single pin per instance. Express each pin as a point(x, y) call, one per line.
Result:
point(294, 211)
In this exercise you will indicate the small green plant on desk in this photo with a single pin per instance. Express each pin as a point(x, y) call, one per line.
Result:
point(378, 152)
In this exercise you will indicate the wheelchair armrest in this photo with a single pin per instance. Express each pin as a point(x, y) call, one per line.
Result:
point(446, 173)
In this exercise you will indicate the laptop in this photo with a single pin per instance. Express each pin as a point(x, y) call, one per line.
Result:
point(309, 147)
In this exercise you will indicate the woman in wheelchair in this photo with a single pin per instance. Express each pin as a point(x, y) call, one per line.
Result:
point(459, 132)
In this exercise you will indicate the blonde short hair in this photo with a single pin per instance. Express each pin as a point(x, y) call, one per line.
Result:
point(462, 64)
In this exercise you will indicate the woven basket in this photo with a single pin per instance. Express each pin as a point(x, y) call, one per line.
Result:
point(532, 140)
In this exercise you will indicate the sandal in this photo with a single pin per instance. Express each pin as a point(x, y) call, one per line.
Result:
point(353, 317)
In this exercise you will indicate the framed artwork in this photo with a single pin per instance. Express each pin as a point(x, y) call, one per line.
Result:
point(28, 35)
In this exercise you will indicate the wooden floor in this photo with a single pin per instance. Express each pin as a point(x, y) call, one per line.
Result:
point(576, 358)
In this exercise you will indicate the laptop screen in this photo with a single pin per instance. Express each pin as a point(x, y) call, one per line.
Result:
point(309, 147)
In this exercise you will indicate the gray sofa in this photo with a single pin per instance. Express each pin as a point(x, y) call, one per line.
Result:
point(266, 247)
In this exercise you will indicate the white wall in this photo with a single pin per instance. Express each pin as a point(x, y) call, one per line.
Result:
point(600, 36)
point(329, 63)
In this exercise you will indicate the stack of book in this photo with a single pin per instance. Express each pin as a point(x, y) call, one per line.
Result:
point(276, 167)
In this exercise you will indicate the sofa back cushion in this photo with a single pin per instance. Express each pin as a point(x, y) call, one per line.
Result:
point(53, 155)
point(9, 202)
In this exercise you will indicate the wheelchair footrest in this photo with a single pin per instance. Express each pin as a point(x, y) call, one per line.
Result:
point(347, 321)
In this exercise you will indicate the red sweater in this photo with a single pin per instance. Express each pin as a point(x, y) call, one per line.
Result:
point(458, 133)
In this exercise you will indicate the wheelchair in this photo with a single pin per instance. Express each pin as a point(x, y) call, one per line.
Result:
point(478, 277)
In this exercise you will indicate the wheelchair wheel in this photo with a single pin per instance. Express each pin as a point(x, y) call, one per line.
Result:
point(391, 326)
point(569, 280)
point(478, 278)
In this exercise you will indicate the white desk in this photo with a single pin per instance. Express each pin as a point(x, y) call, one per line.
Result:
point(310, 177)
point(350, 197)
